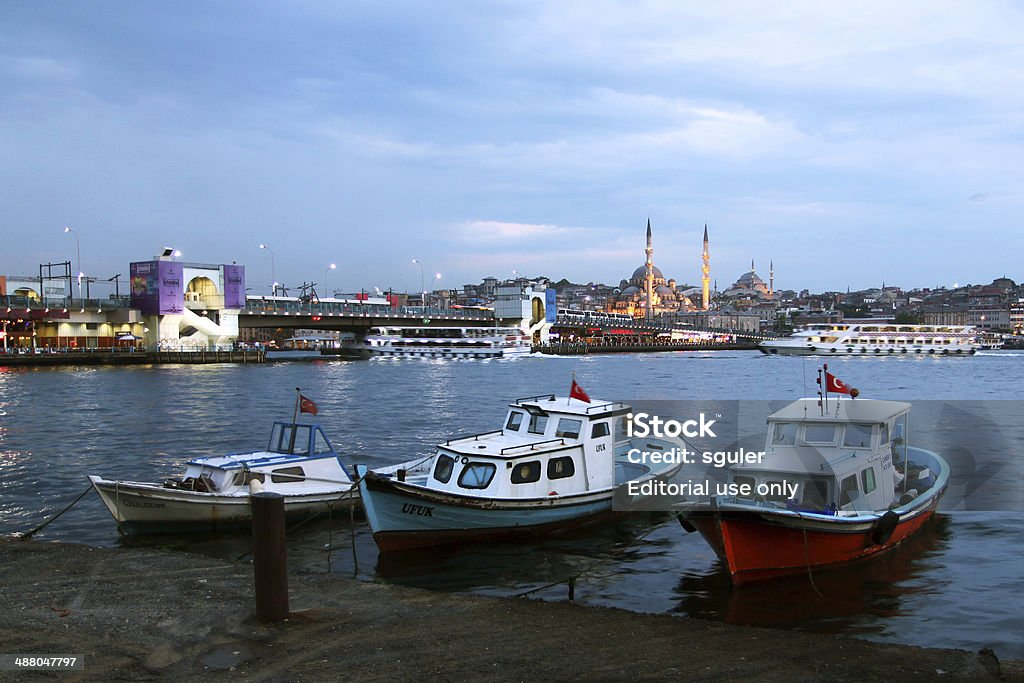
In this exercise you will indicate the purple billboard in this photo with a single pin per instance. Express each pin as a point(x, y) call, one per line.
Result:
point(157, 287)
point(234, 286)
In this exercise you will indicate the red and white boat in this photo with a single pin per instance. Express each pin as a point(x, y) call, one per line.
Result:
point(837, 483)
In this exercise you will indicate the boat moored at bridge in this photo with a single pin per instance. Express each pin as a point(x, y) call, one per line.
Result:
point(443, 342)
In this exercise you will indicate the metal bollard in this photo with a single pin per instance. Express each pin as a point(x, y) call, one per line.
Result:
point(269, 556)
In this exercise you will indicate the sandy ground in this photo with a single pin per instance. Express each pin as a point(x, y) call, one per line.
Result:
point(151, 614)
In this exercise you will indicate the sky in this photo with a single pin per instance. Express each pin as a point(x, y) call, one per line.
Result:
point(847, 143)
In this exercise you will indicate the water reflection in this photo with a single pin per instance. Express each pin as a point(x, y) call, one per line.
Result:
point(852, 598)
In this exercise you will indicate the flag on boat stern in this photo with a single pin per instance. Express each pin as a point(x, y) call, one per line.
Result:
point(307, 406)
point(577, 392)
point(836, 385)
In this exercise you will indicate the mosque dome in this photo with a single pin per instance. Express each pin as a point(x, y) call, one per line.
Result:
point(641, 273)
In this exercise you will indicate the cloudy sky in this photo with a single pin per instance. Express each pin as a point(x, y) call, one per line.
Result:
point(849, 142)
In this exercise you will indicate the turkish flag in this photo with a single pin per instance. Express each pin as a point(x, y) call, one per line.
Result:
point(307, 406)
point(835, 385)
point(578, 393)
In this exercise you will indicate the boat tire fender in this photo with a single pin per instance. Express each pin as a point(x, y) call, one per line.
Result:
point(685, 523)
point(884, 527)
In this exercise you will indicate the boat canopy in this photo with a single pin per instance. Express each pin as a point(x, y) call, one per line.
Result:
point(841, 410)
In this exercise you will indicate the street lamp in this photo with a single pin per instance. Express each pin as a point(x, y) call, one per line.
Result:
point(327, 272)
point(273, 268)
point(423, 290)
point(78, 257)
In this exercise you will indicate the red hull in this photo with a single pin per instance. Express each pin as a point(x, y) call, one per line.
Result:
point(757, 546)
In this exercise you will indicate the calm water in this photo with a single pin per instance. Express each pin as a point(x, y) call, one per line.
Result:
point(958, 584)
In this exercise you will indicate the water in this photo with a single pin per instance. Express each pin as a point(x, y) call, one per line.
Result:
point(957, 584)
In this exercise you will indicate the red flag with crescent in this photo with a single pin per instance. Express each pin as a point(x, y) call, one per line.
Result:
point(578, 393)
point(307, 406)
point(835, 385)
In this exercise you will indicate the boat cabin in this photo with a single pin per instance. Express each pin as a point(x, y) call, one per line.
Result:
point(845, 460)
point(298, 456)
point(546, 446)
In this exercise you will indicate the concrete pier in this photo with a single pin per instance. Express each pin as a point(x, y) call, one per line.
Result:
point(142, 613)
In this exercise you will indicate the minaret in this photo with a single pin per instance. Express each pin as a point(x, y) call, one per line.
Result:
point(705, 278)
point(649, 281)
point(771, 279)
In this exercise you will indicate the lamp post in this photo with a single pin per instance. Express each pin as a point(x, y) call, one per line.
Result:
point(423, 290)
point(273, 269)
point(328, 271)
point(78, 257)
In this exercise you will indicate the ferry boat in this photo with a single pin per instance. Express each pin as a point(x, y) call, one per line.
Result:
point(556, 462)
point(836, 484)
point(444, 342)
point(849, 338)
point(213, 492)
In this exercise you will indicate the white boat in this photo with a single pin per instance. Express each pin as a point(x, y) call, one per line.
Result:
point(835, 484)
point(554, 463)
point(213, 493)
point(444, 342)
point(855, 338)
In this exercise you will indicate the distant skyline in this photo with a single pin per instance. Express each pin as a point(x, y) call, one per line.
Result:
point(850, 144)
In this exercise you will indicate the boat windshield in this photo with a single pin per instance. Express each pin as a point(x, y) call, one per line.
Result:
point(296, 439)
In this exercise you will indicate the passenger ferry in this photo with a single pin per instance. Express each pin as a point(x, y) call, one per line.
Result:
point(851, 337)
point(445, 342)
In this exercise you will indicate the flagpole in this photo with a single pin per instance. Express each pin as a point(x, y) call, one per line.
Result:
point(825, 366)
point(298, 399)
point(821, 388)
point(567, 400)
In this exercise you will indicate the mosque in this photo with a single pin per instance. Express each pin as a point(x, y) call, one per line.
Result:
point(648, 294)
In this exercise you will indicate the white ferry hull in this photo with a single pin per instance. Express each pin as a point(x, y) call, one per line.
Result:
point(448, 352)
point(790, 348)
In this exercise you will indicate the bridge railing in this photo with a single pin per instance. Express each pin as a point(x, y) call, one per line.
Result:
point(25, 303)
point(312, 308)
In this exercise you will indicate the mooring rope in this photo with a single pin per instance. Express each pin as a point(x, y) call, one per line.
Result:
point(571, 581)
point(28, 534)
point(807, 556)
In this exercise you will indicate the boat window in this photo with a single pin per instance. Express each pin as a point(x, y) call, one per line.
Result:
point(242, 478)
point(477, 475)
point(526, 472)
point(848, 489)
point(885, 432)
point(515, 421)
point(560, 468)
point(320, 444)
point(857, 436)
point(288, 475)
point(784, 434)
point(599, 429)
point(745, 484)
point(814, 495)
point(443, 468)
point(819, 434)
point(538, 423)
point(569, 428)
point(867, 480)
point(775, 491)
point(290, 439)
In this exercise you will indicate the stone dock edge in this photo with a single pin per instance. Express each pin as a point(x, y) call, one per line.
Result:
point(155, 614)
